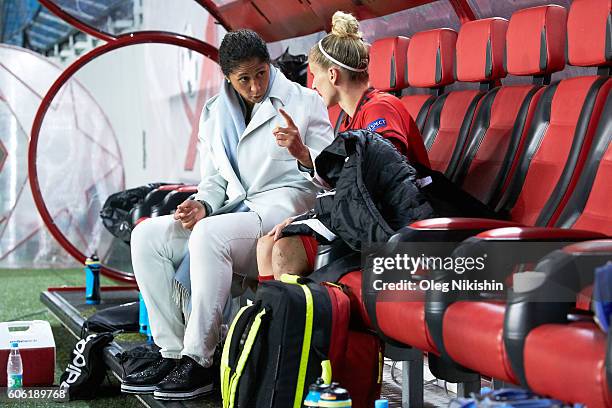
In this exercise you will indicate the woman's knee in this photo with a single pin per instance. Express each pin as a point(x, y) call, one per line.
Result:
point(264, 255)
point(201, 235)
point(140, 232)
point(153, 230)
point(144, 238)
point(289, 256)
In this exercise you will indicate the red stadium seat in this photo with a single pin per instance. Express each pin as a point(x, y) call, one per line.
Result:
point(588, 206)
point(504, 115)
point(586, 209)
point(569, 125)
point(479, 58)
point(437, 48)
point(552, 170)
point(559, 139)
point(388, 64)
point(551, 353)
point(480, 47)
point(558, 144)
point(572, 366)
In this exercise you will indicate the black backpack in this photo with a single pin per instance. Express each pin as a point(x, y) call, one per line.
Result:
point(86, 368)
point(278, 346)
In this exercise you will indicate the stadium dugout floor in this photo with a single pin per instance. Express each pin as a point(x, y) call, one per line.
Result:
point(70, 309)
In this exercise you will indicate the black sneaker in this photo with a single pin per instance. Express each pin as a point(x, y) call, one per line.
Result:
point(189, 380)
point(145, 381)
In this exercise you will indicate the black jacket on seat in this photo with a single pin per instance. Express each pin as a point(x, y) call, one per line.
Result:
point(374, 194)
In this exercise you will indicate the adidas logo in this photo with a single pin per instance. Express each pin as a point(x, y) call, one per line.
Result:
point(74, 368)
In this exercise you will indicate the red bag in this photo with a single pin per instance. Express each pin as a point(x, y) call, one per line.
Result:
point(361, 369)
point(341, 314)
point(356, 356)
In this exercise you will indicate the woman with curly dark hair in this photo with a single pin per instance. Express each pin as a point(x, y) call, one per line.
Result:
point(258, 138)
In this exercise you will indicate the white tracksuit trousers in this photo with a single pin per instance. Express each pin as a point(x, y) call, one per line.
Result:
point(218, 246)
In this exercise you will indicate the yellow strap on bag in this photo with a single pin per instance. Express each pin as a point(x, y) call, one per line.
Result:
point(299, 390)
point(225, 368)
point(248, 345)
point(287, 278)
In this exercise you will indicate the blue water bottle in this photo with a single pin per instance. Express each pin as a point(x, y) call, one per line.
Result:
point(143, 319)
point(143, 316)
point(149, 335)
point(92, 280)
point(314, 393)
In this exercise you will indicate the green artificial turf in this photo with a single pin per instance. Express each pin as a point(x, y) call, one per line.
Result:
point(20, 300)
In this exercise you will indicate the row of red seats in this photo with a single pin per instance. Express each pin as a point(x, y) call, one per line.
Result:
point(541, 152)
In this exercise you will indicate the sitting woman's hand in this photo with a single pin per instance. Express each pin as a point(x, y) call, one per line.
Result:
point(289, 137)
point(276, 231)
point(189, 212)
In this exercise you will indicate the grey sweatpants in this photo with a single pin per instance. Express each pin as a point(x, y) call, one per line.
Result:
point(219, 246)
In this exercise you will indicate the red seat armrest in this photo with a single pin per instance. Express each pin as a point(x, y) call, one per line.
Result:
point(188, 189)
point(170, 187)
point(458, 223)
point(454, 229)
point(539, 233)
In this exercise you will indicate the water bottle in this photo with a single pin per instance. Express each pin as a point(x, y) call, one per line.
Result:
point(335, 397)
point(149, 335)
point(92, 280)
point(143, 316)
point(143, 320)
point(14, 368)
point(314, 393)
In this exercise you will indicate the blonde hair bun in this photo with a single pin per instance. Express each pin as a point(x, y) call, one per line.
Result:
point(345, 25)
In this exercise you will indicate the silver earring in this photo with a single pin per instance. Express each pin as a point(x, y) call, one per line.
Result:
point(228, 81)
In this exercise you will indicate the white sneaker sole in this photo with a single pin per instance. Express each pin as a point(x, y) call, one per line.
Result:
point(138, 389)
point(168, 396)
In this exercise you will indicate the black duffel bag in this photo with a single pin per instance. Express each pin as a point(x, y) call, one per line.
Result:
point(123, 318)
point(115, 212)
